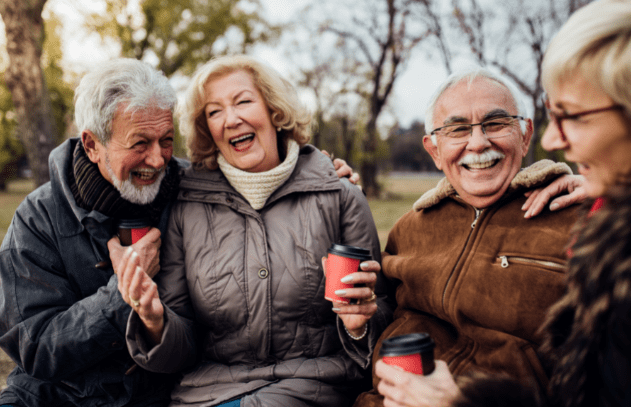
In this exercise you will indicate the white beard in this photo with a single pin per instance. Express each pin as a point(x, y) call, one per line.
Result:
point(139, 195)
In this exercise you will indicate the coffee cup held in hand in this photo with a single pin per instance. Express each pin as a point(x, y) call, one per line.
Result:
point(413, 353)
point(131, 230)
point(342, 260)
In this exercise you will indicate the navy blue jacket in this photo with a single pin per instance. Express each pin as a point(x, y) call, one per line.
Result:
point(62, 320)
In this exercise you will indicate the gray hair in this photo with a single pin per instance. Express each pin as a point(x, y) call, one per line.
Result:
point(115, 82)
point(470, 75)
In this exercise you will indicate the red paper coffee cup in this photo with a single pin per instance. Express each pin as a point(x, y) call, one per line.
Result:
point(413, 353)
point(342, 260)
point(131, 230)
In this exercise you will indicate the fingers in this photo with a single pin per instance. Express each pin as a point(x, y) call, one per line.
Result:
point(354, 179)
point(326, 153)
point(577, 196)
point(126, 271)
point(370, 266)
point(341, 168)
point(535, 203)
point(148, 249)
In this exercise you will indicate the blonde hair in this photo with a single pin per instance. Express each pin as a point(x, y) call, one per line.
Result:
point(595, 42)
point(286, 110)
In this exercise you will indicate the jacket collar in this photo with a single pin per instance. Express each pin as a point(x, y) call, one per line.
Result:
point(538, 174)
point(70, 217)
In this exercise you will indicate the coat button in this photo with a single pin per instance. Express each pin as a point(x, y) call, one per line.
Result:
point(263, 273)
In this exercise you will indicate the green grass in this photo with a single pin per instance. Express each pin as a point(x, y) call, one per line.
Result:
point(9, 201)
point(400, 194)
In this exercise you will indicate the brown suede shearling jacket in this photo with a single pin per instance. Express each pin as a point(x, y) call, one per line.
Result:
point(478, 281)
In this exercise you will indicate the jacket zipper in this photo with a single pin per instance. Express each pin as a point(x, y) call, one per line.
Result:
point(478, 212)
point(504, 262)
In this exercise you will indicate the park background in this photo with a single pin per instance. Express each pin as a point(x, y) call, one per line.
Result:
point(366, 68)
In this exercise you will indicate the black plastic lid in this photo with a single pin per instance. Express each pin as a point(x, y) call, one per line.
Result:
point(133, 223)
point(350, 251)
point(406, 344)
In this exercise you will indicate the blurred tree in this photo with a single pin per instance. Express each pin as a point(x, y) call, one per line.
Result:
point(181, 34)
point(24, 77)
point(375, 41)
point(406, 149)
point(10, 147)
point(511, 35)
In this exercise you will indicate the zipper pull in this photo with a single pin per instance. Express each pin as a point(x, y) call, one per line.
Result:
point(504, 262)
point(477, 215)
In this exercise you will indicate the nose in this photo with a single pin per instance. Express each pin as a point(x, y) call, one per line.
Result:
point(155, 156)
point(232, 117)
point(477, 140)
point(552, 138)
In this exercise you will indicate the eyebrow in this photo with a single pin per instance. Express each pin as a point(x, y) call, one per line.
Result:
point(490, 115)
point(237, 96)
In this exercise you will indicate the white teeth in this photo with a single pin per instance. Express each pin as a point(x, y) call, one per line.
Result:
point(480, 166)
point(242, 138)
point(146, 173)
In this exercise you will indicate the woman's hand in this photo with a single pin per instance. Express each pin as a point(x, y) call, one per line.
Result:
point(538, 198)
point(355, 316)
point(400, 388)
point(141, 293)
point(343, 169)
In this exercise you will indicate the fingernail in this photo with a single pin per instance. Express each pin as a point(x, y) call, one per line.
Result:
point(364, 264)
point(129, 250)
point(341, 293)
point(347, 279)
point(554, 206)
point(134, 255)
point(335, 309)
point(523, 208)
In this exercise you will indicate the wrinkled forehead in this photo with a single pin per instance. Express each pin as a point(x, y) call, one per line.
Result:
point(472, 101)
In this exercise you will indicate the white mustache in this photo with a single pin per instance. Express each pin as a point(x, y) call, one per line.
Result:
point(488, 155)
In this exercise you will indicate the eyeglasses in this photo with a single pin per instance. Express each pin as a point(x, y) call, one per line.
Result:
point(491, 128)
point(559, 118)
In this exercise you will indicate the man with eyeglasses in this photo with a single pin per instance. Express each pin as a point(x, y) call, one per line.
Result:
point(473, 271)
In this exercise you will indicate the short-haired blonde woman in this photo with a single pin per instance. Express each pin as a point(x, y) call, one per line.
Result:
point(240, 297)
point(587, 333)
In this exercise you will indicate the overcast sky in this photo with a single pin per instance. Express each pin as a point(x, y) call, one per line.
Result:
point(408, 101)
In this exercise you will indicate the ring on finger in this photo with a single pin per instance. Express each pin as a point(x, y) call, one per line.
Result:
point(135, 303)
point(373, 296)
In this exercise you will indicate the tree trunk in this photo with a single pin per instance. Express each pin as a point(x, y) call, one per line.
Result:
point(369, 165)
point(25, 79)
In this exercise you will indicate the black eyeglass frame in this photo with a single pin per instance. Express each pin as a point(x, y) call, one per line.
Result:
point(481, 124)
point(558, 118)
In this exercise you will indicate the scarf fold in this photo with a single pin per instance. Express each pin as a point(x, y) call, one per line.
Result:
point(256, 187)
point(93, 192)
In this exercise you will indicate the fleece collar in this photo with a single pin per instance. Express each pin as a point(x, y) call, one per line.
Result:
point(536, 175)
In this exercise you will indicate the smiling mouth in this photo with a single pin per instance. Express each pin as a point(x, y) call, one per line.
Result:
point(482, 165)
point(146, 174)
point(242, 141)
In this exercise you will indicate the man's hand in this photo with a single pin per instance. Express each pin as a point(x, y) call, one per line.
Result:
point(343, 169)
point(403, 389)
point(538, 198)
point(147, 248)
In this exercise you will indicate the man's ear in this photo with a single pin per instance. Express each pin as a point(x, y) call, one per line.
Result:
point(432, 150)
point(91, 144)
point(527, 136)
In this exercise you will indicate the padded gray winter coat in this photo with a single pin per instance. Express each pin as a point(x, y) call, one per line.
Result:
point(253, 283)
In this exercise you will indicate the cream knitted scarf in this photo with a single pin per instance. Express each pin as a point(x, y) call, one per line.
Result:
point(256, 187)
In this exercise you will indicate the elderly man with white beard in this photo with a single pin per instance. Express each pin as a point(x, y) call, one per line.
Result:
point(472, 271)
point(62, 318)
